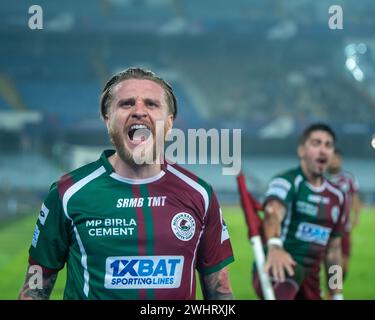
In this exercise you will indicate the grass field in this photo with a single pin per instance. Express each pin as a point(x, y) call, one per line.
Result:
point(15, 238)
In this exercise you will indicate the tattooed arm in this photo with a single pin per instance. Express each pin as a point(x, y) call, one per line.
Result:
point(216, 286)
point(32, 289)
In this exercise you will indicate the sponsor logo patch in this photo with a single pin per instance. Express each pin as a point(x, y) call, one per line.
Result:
point(183, 226)
point(307, 208)
point(310, 232)
point(224, 230)
point(35, 236)
point(315, 198)
point(143, 272)
point(43, 214)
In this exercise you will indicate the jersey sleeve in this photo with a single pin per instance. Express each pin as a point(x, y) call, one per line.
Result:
point(215, 249)
point(50, 243)
point(340, 226)
point(280, 188)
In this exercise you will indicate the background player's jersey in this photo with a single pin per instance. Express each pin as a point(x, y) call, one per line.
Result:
point(131, 239)
point(349, 185)
point(314, 215)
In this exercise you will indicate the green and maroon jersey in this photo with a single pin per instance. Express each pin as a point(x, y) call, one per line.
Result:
point(314, 215)
point(130, 239)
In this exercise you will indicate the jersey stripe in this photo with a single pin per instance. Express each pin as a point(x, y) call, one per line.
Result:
point(77, 186)
point(86, 275)
point(67, 195)
point(336, 192)
point(193, 184)
point(204, 194)
point(141, 235)
point(297, 182)
point(192, 269)
point(149, 227)
point(288, 219)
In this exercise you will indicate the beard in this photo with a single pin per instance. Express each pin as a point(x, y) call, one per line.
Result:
point(118, 142)
point(316, 174)
point(310, 169)
point(147, 153)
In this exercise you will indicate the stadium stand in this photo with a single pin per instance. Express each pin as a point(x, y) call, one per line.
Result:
point(267, 68)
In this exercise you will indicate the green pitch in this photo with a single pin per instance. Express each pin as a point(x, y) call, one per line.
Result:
point(15, 238)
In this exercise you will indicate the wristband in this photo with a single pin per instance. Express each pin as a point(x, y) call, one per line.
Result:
point(275, 242)
point(338, 296)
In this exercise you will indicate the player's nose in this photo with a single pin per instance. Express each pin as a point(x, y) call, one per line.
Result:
point(324, 150)
point(139, 109)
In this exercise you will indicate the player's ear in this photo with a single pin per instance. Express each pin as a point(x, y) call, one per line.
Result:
point(106, 120)
point(300, 151)
point(169, 123)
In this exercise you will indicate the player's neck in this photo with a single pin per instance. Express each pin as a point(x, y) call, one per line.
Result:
point(315, 180)
point(133, 171)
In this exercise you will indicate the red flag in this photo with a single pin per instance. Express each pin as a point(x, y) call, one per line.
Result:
point(250, 207)
point(254, 226)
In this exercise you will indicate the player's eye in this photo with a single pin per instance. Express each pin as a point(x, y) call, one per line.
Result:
point(151, 103)
point(127, 103)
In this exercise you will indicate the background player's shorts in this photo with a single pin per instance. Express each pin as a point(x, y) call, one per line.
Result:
point(310, 288)
point(304, 285)
point(346, 244)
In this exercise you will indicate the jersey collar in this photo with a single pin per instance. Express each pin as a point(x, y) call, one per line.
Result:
point(104, 159)
point(111, 172)
point(310, 186)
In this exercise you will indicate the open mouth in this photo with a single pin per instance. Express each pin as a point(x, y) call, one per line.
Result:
point(138, 133)
point(322, 161)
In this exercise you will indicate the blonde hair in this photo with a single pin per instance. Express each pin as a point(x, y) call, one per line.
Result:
point(136, 73)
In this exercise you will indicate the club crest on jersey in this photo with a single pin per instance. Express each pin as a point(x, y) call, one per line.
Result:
point(183, 226)
point(344, 187)
point(335, 213)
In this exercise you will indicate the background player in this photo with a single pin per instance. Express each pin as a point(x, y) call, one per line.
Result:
point(126, 229)
point(303, 220)
point(348, 184)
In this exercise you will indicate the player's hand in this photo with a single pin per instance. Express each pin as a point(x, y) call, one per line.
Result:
point(278, 260)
